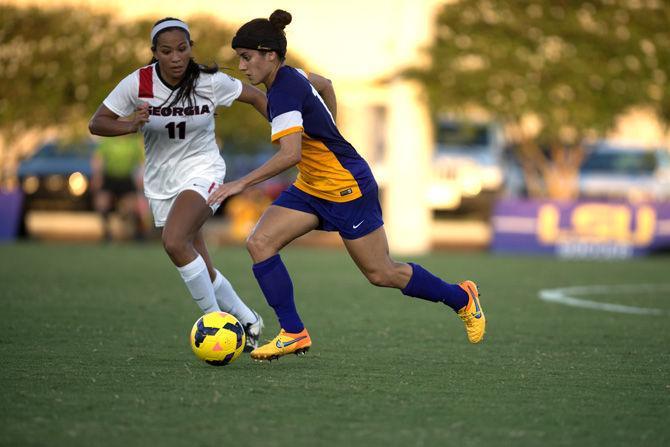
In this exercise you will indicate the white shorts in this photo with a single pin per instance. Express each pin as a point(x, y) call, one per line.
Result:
point(203, 186)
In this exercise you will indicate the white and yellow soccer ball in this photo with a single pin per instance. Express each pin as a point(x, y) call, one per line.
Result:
point(217, 338)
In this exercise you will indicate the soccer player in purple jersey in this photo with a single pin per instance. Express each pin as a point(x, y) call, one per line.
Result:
point(334, 191)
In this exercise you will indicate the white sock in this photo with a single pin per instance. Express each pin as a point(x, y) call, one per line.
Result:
point(196, 277)
point(230, 302)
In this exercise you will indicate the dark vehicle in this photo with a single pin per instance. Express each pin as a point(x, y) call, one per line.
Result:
point(58, 177)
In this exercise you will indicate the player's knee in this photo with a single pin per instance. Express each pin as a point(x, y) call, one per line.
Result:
point(258, 245)
point(379, 278)
point(173, 246)
point(391, 274)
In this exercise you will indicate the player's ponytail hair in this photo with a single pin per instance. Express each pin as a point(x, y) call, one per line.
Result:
point(265, 34)
point(186, 88)
point(279, 19)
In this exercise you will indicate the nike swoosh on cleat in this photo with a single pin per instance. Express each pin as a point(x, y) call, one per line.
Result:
point(478, 311)
point(281, 344)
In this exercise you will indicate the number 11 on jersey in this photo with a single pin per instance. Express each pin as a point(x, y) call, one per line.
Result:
point(180, 126)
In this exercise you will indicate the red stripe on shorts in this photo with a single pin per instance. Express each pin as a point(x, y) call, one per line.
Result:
point(211, 187)
point(146, 82)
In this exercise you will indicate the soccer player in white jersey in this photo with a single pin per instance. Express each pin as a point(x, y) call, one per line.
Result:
point(174, 100)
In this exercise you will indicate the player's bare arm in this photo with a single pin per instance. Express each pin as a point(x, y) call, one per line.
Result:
point(108, 124)
point(255, 97)
point(324, 87)
point(288, 155)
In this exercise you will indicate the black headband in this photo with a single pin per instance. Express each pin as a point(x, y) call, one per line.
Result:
point(254, 43)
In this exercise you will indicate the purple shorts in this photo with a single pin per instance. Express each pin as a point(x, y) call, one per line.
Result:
point(352, 219)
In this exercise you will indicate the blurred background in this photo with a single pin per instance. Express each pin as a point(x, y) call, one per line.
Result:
point(511, 126)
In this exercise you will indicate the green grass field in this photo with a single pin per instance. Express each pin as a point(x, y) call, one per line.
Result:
point(94, 351)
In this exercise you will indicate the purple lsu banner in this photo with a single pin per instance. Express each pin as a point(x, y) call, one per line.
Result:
point(10, 213)
point(581, 228)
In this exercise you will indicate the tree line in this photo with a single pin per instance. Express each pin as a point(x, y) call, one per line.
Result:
point(58, 64)
point(558, 74)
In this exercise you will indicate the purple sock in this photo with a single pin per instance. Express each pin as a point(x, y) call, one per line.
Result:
point(275, 282)
point(427, 286)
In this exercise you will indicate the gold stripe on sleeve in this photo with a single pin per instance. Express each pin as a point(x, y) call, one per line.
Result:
point(285, 132)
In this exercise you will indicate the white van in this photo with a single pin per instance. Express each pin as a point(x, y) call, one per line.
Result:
point(467, 167)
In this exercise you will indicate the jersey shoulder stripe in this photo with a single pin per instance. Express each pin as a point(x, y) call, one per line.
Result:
point(146, 89)
point(288, 131)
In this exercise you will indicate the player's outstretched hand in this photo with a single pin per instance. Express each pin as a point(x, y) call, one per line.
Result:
point(141, 116)
point(224, 191)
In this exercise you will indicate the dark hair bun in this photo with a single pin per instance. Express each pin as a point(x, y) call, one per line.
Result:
point(280, 18)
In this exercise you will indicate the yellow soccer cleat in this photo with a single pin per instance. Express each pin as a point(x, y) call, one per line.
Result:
point(472, 313)
point(282, 344)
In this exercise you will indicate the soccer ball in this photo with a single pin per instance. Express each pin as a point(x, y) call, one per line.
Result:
point(217, 338)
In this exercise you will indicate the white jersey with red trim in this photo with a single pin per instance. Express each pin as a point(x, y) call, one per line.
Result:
point(179, 141)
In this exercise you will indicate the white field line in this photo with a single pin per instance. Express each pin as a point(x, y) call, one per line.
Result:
point(567, 296)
